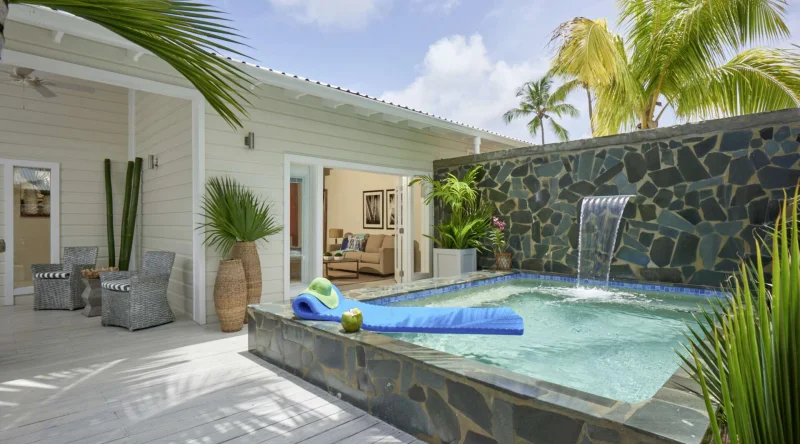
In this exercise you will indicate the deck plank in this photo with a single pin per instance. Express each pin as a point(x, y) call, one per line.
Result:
point(65, 378)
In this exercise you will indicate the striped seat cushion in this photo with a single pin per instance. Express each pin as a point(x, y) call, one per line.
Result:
point(123, 285)
point(52, 275)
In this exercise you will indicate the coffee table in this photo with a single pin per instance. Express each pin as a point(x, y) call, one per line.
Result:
point(353, 274)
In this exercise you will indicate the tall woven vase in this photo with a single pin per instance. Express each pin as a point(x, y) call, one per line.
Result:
point(230, 295)
point(248, 253)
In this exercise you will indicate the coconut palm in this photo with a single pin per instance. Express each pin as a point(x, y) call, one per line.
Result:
point(184, 34)
point(697, 57)
point(584, 58)
point(536, 100)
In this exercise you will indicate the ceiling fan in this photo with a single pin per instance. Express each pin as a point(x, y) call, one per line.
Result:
point(24, 77)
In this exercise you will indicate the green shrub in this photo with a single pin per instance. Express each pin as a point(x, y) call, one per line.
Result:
point(466, 218)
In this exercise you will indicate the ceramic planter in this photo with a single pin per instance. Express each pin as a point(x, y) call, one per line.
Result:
point(454, 262)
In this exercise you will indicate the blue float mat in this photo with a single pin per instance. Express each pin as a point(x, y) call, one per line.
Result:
point(486, 321)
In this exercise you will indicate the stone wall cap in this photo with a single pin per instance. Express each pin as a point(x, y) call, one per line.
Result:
point(772, 118)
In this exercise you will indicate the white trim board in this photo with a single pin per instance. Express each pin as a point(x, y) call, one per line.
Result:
point(8, 218)
point(198, 189)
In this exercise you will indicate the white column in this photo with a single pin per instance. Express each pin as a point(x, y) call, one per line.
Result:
point(198, 188)
point(476, 145)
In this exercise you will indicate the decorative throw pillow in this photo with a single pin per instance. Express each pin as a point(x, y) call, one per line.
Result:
point(345, 242)
point(356, 242)
point(353, 244)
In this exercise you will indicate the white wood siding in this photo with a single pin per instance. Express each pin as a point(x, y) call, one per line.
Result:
point(306, 127)
point(77, 130)
point(164, 129)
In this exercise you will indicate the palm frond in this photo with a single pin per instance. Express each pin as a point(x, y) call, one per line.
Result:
point(234, 213)
point(184, 34)
point(564, 109)
point(756, 80)
point(559, 131)
point(587, 51)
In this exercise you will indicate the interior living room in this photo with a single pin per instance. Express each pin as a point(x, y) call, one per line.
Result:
point(359, 227)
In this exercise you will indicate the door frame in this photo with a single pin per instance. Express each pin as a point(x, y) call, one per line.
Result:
point(317, 166)
point(8, 219)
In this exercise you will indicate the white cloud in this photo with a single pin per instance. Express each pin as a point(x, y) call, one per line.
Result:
point(340, 14)
point(437, 6)
point(459, 80)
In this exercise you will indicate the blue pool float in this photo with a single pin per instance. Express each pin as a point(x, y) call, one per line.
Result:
point(484, 321)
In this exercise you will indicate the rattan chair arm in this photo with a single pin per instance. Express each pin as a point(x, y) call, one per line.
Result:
point(46, 268)
point(108, 276)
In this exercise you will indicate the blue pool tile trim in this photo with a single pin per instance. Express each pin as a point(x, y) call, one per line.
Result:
point(670, 289)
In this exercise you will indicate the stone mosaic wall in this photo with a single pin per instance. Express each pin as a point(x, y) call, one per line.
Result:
point(442, 398)
point(702, 194)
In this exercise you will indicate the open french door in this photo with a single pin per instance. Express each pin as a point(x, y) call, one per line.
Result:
point(404, 232)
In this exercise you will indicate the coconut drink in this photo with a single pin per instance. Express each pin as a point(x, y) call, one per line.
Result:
point(352, 320)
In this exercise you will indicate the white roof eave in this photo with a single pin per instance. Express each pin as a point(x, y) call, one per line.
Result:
point(68, 24)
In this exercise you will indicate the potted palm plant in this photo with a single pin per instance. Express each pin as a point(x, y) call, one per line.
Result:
point(235, 220)
point(464, 221)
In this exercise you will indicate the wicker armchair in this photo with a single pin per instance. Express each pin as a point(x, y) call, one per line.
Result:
point(59, 286)
point(137, 300)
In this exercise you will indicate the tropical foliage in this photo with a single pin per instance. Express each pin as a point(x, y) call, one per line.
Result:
point(747, 361)
point(537, 100)
point(234, 213)
point(185, 34)
point(466, 218)
point(696, 57)
point(497, 235)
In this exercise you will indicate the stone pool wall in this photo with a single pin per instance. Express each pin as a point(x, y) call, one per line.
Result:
point(441, 398)
point(702, 193)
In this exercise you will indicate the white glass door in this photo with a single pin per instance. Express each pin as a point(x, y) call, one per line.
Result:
point(299, 226)
point(404, 232)
point(30, 223)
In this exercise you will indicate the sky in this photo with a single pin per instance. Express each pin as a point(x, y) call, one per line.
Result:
point(460, 59)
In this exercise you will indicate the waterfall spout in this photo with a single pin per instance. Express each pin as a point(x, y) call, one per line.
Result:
point(599, 224)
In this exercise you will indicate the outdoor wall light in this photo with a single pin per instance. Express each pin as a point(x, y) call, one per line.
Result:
point(152, 162)
point(250, 141)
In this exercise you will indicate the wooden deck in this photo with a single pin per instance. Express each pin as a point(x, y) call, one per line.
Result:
point(64, 378)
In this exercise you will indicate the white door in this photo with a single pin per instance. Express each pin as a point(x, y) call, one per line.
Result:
point(31, 222)
point(404, 232)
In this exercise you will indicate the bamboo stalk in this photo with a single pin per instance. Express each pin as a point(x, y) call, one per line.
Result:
point(134, 205)
point(110, 216)
point(123, 265)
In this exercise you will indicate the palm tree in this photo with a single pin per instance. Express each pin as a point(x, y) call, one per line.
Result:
point(697, 57)
point(537, 100)
point(583, 57)
point(185, 34)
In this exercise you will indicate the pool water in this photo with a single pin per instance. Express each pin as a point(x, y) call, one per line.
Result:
point(608, 342)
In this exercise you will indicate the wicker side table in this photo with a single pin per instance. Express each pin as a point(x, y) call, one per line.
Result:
point(93, 297)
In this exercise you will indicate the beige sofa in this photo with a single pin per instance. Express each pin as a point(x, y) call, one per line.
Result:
point(377, 258)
